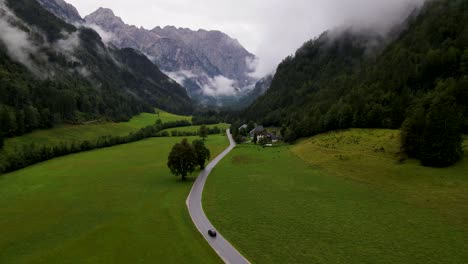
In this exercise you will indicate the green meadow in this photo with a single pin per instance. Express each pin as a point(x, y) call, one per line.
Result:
point(114, 205)
point(342, 197)
point(69, 133)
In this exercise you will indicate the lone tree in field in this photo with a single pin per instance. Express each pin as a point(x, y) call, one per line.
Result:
point(202, 152)
point(182, 159)
point(203, 132)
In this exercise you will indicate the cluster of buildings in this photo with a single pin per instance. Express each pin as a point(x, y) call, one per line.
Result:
point(260, 133)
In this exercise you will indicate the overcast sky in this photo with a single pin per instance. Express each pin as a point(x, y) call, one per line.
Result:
point(271, 29)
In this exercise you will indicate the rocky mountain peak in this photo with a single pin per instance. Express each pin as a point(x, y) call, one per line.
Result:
point(62, 9)
point(105, 18)
point(199, 60)
point(209, 64)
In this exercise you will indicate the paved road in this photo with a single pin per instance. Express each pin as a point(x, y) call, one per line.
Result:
point(194, 203)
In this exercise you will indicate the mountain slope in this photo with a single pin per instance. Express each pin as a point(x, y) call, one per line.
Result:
point(259, 89)
point(194, 58)
point(52, 72)
point(63, 10)
point(353, 79)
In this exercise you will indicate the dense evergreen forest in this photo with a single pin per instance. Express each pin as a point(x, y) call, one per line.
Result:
point(416, 75)
point(69, 75)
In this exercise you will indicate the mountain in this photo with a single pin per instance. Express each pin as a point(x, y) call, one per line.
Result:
point(208, 63)
point(259, 89)
point(305, 81)
point(359, 78)
point(63, 10)
point(52, 72)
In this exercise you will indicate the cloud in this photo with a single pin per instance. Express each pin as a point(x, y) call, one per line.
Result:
point(271, 29)
point(83, 71)
point(213, 87)
point(22, 49)
point(68, 44)
point(18, 44)
point(220, 86)
point(106, 36)
point(180, 76)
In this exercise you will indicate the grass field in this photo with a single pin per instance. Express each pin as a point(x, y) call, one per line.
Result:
point(115, 205)
point(69, 133)
point(339, 198)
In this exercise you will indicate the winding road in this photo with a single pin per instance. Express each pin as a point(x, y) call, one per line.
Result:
point(194, 203)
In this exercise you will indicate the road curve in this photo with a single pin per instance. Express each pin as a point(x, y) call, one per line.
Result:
point(194, 203)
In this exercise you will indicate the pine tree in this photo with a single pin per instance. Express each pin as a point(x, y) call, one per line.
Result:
point(290, 136)
point(412, 131)
point(1, 140)
point(20, 121)
point(250, 126)
point(31, 118)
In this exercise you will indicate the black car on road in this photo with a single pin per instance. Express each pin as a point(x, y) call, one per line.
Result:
point(212, 233)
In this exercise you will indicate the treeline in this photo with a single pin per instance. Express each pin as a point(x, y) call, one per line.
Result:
point(31, 154)
point(432, 132)
point(203, 116)
point(24, 108)
point(207, 120)
point(359, 79)
point(176, 133)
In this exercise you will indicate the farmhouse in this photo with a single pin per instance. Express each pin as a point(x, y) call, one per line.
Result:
point(244, 126)
point(260, 132)
point(256, 131)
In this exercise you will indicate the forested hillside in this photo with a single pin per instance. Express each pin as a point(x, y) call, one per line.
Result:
point(52, 72)
point(350, 78)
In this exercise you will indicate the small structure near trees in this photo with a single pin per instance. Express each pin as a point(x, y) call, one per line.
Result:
point(261, 136)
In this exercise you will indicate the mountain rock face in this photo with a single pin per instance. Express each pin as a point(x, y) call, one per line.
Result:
point(52, 72)
point(62, 10)
point(206, 63)
point(261, 87)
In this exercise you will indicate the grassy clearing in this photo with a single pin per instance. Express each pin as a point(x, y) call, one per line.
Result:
point(69, 133)
point(115, 205)
point(339, 198)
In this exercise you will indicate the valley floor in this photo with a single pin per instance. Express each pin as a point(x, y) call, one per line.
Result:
point(114, 205)
point(342, 197)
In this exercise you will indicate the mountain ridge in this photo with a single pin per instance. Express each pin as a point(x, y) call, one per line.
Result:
point(63, 10)
point(57, 73)
point(192, 57)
